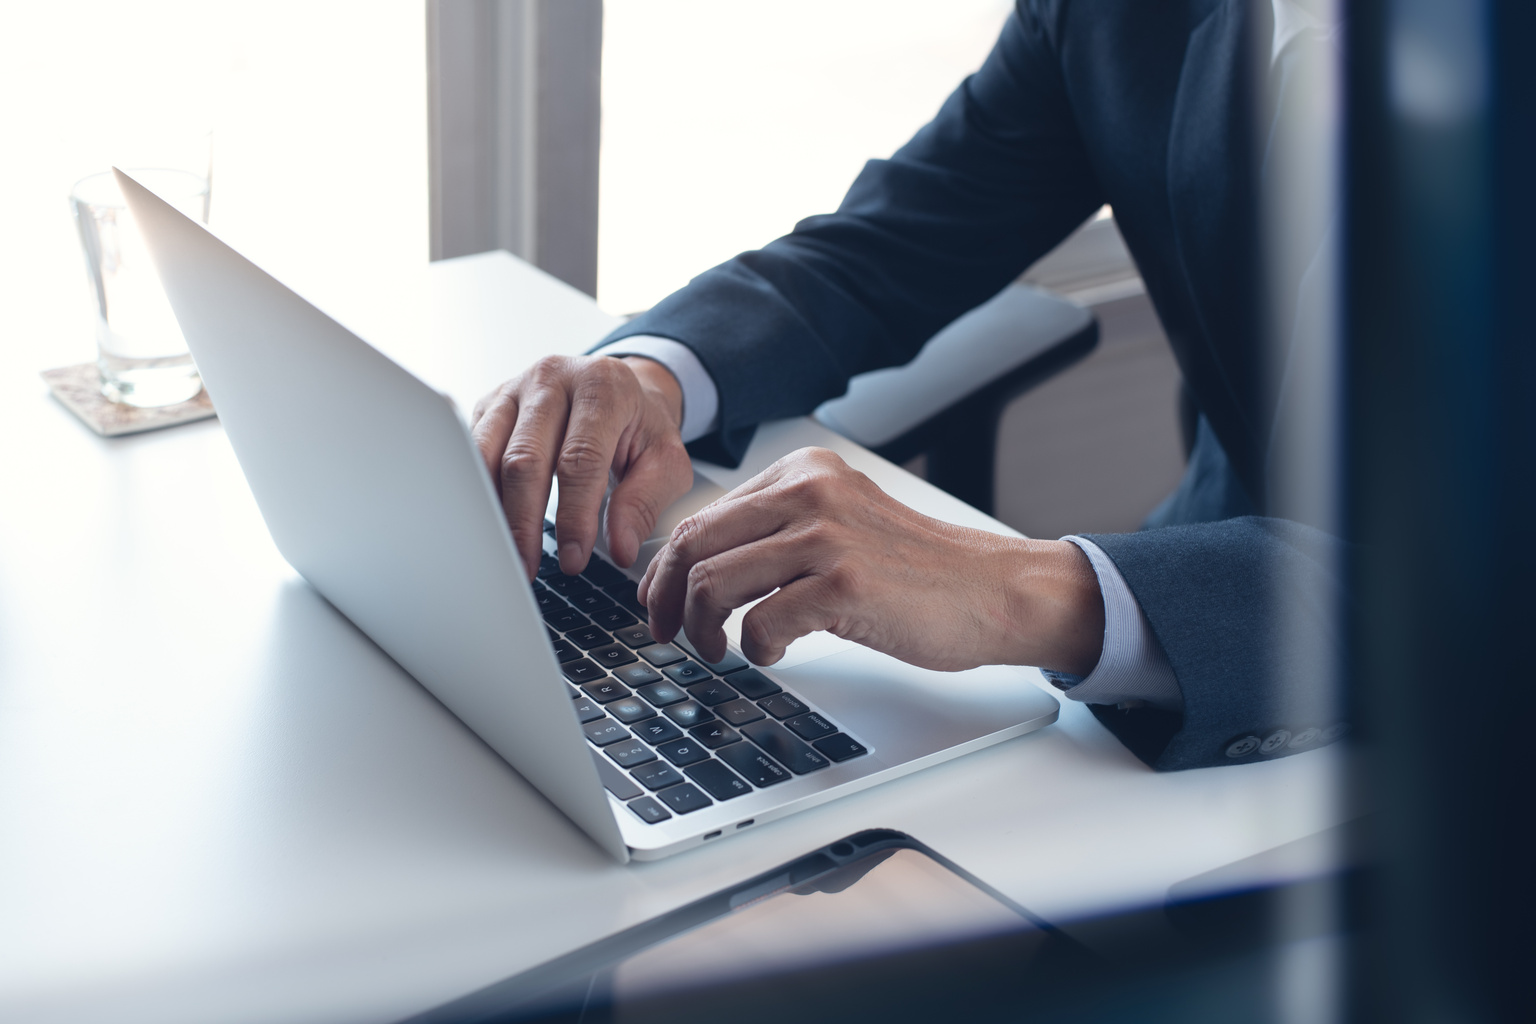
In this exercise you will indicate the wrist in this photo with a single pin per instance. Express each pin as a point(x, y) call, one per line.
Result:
point(1054, 606)
point(657, 380)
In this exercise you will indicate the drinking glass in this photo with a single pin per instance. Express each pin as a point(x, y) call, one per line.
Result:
point(140, 352)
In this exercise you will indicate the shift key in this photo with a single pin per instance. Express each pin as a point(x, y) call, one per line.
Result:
point(784, 748)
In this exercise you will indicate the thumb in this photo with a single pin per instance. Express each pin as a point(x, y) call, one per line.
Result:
point(650, 484)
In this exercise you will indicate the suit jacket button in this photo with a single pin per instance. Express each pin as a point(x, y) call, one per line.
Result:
point(1243, 747)
point(1305, 738)
point(1275, 740)
point(1334, 731)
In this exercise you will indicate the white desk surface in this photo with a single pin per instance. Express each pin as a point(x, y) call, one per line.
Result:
point(220, 802)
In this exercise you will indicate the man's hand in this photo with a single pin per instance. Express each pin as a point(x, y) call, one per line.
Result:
point(846, 557)
point(578, 417)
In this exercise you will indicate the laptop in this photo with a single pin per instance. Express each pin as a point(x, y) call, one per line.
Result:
point(374, 492)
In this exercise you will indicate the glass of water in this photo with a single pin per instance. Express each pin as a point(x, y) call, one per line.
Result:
point(140, 351)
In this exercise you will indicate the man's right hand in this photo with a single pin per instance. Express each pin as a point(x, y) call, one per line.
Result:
point(575, 418)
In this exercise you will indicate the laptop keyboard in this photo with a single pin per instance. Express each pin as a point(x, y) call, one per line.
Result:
point(671, 733)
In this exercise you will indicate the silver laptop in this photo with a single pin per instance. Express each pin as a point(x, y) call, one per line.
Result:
point(374, 492)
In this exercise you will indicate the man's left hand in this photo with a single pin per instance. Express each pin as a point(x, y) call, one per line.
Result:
point(837, 553)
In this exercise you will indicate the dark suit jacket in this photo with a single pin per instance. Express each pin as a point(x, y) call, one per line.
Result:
point(1138, 104)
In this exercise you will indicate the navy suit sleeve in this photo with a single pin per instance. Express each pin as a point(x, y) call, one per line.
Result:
point(990, 185)
point(1247, 611)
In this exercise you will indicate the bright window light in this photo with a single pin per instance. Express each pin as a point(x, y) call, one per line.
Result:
point(726, 122)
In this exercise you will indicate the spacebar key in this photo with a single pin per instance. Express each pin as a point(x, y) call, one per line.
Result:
point(777, 742)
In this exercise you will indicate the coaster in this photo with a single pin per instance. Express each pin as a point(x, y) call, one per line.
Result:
point(78, 388)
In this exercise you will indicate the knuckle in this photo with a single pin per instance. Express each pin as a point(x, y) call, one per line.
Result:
point(581, 456)
point(521, 462)
point(549, 371)
point(841, 581)
point(687, 536)
point(704, 581)
point(600, 375)
point(647, 506)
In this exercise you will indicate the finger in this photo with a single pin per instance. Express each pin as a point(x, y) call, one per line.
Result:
point(726, 505)
point(597, 420)
point(718, 586)
point(799, 608)
point(657, 478)
point(702, 535)
point(791, 463)
point(527, 467)
point(495, 416)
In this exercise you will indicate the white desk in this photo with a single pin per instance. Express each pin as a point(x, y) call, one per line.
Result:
point(220, 802)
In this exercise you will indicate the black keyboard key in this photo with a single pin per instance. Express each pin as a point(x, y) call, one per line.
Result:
point(582, 671)
point(657, 775)
point(684, 799)
point(718, 780)
point(549, 566)
point(601, 574)
point(687, 673)
point(605, 690)
point(637, 675)
point(757, 767)
point(547, 599)
point(682, 752)
point(780, 705)
point(753, 684)
point(688, 714)
point(629, 753)
point(783, 748)
point(711, 693)
point(566, 619)
point(587, 710)
point(630, 709)
point(648, 810)
point(568, 587)
point(810, 726)
point(662, 655)
point(738, 712)
point(658, 730)
point(565, 652)
point(638, 635)
point(574, 693)
point(663, 693)
point(615, 781)
point(715, 735)
point(841, 747)
point(732, 662)
point(549, 527)
point(587, 637)
point(605, 731)
point(625, 591)
point(614, 619)
point(592, 602)
point(611, 656)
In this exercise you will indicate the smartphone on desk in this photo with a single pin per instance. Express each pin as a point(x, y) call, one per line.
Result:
point(874, 926)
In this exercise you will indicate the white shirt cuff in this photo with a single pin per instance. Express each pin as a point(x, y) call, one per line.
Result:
point(1133, 668)
point(701, 399)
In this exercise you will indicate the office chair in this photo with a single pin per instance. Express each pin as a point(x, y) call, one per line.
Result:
point(947, 402)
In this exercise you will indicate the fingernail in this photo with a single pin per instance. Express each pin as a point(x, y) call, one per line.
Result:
point(570, 553)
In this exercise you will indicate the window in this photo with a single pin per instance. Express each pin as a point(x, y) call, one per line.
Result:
point(724, 123)
point(318, 120)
